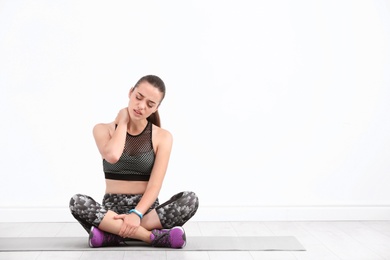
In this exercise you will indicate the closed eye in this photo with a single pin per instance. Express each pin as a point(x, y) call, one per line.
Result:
point(150, 104)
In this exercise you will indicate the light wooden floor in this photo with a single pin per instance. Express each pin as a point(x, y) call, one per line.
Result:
point(355, 240)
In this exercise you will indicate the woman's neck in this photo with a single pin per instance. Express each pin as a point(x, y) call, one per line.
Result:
point(136, 127)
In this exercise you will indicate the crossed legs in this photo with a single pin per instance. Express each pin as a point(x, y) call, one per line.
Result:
point(149, 221)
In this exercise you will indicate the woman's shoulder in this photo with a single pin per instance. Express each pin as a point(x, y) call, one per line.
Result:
point(162, 134)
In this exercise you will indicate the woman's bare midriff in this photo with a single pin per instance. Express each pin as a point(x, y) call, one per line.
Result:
point(125, 187)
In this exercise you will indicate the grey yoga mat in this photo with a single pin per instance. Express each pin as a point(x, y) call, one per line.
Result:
point(249, 243)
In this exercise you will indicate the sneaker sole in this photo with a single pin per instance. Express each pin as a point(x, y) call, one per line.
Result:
point(90, 237)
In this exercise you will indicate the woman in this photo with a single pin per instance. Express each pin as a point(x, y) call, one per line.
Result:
point(135, 152)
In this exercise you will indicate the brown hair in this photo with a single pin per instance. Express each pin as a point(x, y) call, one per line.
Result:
point(160, 85)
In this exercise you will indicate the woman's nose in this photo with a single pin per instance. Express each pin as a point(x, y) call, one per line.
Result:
point(142, 105)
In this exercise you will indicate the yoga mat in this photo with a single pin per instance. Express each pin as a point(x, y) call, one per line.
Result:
point(259, 243)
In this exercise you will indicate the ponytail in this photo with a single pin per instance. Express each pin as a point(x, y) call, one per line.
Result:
point(155, 119)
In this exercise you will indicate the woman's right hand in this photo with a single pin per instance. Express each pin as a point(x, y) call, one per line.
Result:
point(123, 116)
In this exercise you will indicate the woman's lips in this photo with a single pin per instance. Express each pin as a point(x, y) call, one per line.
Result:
point(137, 112)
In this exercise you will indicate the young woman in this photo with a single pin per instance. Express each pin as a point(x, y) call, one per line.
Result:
point(135, 152)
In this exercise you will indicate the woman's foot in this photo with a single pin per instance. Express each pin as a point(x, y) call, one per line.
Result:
point(173, 238)
point(99, 238)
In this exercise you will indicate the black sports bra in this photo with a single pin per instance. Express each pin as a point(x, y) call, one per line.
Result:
point(137, 160)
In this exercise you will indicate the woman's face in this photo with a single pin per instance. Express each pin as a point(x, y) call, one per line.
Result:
point(143, 100)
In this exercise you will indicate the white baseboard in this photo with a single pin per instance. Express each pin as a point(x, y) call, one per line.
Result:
point(208, 213)
point(294, 213)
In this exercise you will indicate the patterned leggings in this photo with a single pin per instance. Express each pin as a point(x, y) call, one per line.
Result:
point(175, 212)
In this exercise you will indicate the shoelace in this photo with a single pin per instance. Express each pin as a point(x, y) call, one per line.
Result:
point(110, 240)
point(161, 238)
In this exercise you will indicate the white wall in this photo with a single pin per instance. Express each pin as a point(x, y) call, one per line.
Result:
point(279, 109)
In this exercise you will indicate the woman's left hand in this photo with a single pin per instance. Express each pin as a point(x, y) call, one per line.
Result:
point(131, 222)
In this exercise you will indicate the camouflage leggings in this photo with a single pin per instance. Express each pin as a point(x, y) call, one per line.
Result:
point(175, 212)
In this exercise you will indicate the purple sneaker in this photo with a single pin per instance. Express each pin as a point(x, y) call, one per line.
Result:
point(173, 238)
point(99, 238)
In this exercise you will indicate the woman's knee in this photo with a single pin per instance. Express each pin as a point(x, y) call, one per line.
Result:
point(178, 210)
point(80, 201)
point(191, 200)
point(73, 201)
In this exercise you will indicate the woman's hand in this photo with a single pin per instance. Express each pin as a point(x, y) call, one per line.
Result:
point(123, 116)
point(131, 222)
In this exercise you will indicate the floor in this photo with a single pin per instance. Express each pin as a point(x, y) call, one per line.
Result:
point(354, 240)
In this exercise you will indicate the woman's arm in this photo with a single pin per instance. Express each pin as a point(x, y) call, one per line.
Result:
point(158, 172)
point(131, 222)
point(111, 142)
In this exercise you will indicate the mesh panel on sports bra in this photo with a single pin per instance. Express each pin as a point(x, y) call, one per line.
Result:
point(137, 159)
point(141, 143)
